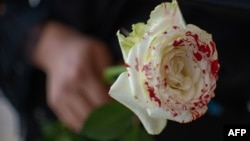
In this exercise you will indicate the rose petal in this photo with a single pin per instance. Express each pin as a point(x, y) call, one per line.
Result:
point(126, 43)
point(135, 61)
point(157, 112)
point(165, 16)
point(121, 91)
point(182, 116)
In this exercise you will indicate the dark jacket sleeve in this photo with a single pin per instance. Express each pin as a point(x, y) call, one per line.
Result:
point(17, 20)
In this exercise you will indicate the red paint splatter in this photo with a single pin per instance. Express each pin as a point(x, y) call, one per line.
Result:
point(127, 65)
point(215, 67)
point(165, 82)
point(198, 56)
point(203, 71)
point(166, 67)
point(200, 97)
point(196, 104)
point(202, 90)
point(213, 46)
point(152, 94)
point(202, 47)
point(206, 96)
point(195, 115)
point(175, 27)
point(175, 114)
point(145, 68)
point(178, 43)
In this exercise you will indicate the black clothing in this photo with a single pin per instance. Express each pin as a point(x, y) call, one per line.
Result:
point(226, 20)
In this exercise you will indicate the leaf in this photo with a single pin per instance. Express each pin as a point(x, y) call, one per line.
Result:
point(57, 131)
point(50, 130)
point(108, 122)
point(111, 73)
point(144, 136)
point(137, 133)
point(132, 135)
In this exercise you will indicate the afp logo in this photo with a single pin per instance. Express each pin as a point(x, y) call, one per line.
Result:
point(236, 132)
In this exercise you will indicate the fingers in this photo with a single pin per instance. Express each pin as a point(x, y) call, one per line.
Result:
point(96, 91)
point(68, 103)
point(75, 86)
point(90, 76)
point(72, 99)
point(73, 111)
point(101, 58)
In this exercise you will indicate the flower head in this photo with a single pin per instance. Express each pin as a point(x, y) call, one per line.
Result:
point(171, 69)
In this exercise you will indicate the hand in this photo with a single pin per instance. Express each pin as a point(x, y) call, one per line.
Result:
point(74, 65)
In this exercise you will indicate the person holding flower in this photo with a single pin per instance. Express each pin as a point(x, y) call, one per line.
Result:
point(60, 48)
point(54, 52)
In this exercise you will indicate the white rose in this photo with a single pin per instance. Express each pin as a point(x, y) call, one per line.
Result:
point(171, 69)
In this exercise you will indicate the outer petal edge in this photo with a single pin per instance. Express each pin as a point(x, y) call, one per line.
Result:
point(121, 91)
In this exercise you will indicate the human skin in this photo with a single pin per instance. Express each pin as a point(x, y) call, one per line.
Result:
point(74, 64)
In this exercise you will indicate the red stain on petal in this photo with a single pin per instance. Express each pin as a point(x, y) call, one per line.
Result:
point(175, 27)
point(165, 82)
point(203, 71)
point(127, 65)
point(198, 56)
point(202, 46)
point(213, 46)
point(206, 96)
point(175, 114)
point(178, 43)
point(195, 115)
point(166, 67)
point(152, 94)
point(196, 104)
point(215, 67)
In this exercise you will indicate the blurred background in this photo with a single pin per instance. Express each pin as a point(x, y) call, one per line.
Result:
point(229, 23)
